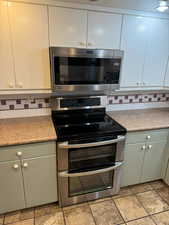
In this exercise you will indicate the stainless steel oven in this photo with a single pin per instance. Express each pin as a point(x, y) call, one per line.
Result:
point(89, 171)
point(77, 71)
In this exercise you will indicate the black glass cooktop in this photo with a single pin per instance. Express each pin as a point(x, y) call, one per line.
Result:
point(85, 125)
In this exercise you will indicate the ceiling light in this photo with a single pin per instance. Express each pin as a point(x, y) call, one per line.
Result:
point(163, 6)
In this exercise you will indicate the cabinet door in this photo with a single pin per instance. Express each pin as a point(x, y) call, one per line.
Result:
point(29, 24)
point(6, 62)
point(156, 52)
point(133, 42)
point(40, 180)
point(104, 30)
point(67, 27)
point(133, 162)
point(152, 167)
point(11, 187)
point(167, 75)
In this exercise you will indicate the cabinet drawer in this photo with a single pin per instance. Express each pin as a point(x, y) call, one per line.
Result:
point(27, 151)
point(147, 136)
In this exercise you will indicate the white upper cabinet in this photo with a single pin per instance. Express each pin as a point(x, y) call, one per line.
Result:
point(104, 30)
point(167, 75)
point(67, 27)
point(157, 50)
point(145, 42)
point(7, 79)
point(29, 25)
point(133, 42)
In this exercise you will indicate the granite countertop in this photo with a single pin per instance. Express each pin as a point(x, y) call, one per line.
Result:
point(26, 130)
point(142, 119)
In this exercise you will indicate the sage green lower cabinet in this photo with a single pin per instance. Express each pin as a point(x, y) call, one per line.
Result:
point(153, 160)
point(40, 184)
point(134, 156)
point(30, 180)
point(145, 157)
point(11, 186)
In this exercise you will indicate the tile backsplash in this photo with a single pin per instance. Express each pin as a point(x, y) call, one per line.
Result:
point(20, 104)
point(138, 98)
point(37, 103)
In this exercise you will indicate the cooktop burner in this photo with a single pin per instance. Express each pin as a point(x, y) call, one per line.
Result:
point(87, 125)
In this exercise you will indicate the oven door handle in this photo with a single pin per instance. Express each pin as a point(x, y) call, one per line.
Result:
point(100, 143)
point(81, 174)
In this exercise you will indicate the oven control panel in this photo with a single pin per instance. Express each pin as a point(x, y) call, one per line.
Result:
point(69, 103)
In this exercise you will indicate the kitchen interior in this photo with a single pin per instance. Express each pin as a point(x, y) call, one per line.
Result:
point(84, 112)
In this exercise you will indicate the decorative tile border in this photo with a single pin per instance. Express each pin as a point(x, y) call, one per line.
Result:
point(19, 104)
point(138, 98)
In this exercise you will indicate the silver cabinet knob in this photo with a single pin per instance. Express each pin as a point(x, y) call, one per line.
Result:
point(15, 166)
point(11, 85)
point(89, 44)
point(19, 153)
point(138, 83)
point(150, 146)
point(25, 165)
point(143, 147)
point(19, 85)
point(82, 43)
point(148, 137)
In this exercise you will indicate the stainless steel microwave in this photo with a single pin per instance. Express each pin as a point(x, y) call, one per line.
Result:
point(77, 71)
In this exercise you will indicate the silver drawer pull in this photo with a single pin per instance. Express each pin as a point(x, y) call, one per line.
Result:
point(67, 174)
point(100, 143)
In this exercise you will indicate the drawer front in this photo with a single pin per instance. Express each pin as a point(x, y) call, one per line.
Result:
point(27, 151)
point(147, 136)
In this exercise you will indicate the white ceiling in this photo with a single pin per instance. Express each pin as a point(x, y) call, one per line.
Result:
point(145, 5)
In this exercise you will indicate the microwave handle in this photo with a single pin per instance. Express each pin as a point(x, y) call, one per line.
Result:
point(100, 143)
point(81, 174)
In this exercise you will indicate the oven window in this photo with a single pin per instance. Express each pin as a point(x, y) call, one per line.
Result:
point(89, 184)
point(92, 158)
point(76, 70)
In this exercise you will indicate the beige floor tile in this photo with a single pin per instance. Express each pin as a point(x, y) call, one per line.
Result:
point(130, 208)
point(12, 217)
point(1, 219)
point(27, 214)
point(161, 218)
point(157, 184)
point(51, 219)
point(106, 213)
point(140, 188)
point(152, 202)
point(24, 222)
point(123, 192)
point(164, 193)
point(99, 200)
point(79, 216)
point(46, 209)
point(74, 206)
point(142, 221)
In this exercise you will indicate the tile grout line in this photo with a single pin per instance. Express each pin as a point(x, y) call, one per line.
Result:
point(118, 210)
point(91, 213)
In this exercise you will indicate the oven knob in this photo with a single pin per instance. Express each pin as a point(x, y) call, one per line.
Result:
point(148, 137)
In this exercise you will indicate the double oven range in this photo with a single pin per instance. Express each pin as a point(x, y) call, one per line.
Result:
point(90, 149)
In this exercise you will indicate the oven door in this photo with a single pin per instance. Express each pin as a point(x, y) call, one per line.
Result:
point(89, 171)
